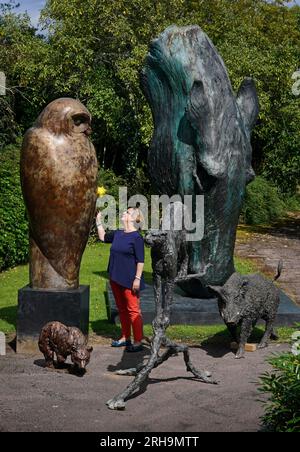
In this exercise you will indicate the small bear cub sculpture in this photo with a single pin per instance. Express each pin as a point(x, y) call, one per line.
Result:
point(55, 337)
point(243, 300)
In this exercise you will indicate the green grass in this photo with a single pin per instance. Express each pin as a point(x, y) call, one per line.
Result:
point(93, 273)
point(10, 282)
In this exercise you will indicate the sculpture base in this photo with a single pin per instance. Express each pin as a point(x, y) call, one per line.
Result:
point(37, 307)
point(185, 310)
point(198, 311)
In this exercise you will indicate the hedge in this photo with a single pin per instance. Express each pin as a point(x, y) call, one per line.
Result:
point(13, 221)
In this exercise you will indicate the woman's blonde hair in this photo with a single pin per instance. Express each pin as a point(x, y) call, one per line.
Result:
point(138, 217)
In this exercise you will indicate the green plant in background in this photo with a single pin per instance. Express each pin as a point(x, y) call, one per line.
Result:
point(293, 202)
point(282, 413)
point(101, 66)
point(8, 127)
point(262, 203)
point(296, 343)
point(13, 221)
point(111, 182)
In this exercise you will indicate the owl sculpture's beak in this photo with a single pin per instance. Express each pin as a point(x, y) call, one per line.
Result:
point(88, 131)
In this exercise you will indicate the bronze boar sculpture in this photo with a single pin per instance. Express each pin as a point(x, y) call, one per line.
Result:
point(244, 300)
point(57, 338)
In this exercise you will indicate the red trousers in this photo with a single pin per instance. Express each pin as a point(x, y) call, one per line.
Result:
point(128, 304)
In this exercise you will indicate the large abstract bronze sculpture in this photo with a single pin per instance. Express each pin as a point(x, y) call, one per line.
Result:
point(59, 181)
point(201, 143)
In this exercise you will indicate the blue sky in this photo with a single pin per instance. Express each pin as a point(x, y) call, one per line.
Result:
point(33, 8)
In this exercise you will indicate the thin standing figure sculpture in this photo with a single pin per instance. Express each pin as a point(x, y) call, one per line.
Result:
point(169, 264)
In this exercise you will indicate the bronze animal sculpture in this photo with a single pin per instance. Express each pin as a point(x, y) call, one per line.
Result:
point(244, 300)
point(168, 263)
point(59, 181)
point(201, 142)
point(57, 338)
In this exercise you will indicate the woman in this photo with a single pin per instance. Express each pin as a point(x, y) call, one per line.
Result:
point(125, 270)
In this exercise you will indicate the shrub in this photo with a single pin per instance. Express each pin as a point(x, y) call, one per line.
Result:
point(139, 184)
point(262, 203)
point(111, 182)
point(8, 126)
point(13, 221)
point(283, 410)
point(293, 202)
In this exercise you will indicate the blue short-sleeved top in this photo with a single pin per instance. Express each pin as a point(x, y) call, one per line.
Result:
point(126, 251)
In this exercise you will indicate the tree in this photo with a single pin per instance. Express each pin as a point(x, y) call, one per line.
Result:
point(95, 51)
point(20, 49)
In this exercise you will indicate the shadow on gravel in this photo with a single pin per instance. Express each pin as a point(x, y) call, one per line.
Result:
point(64, 368)
point(130, 360)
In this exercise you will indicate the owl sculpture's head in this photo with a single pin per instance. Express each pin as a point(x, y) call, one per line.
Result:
point(65, 116)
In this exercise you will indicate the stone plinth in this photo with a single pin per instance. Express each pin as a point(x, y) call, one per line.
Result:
point(198, 311)
point(2, 344)
point(38, 307)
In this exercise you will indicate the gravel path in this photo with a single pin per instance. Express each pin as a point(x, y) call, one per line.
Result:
point(268, 247)
point(37, 399)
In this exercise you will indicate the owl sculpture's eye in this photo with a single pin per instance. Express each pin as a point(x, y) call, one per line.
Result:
point(81, 124)
point(79, 119)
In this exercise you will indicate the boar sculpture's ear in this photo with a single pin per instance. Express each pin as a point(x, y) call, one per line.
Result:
point(217, 290)
point(244, 288)
point(90, 349)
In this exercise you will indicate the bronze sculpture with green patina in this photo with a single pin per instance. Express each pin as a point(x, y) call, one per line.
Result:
point(201, 143)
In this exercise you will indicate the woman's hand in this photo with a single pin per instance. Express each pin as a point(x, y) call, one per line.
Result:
point(99, 218)
point(136, 285)
point(100, 228)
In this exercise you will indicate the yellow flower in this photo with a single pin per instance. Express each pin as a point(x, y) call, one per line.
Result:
point(101, 191)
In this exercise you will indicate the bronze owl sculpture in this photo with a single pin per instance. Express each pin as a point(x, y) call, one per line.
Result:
point(59, 180)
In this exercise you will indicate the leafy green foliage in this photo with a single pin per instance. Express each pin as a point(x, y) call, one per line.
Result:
point(21, 52)
point(95, 51)
point(13, 222)
point(262, 203)
point(259, 39)
point(283, 384)
point(111, 182)
point(293, 202)
point(138, 184)
point(8, 127)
